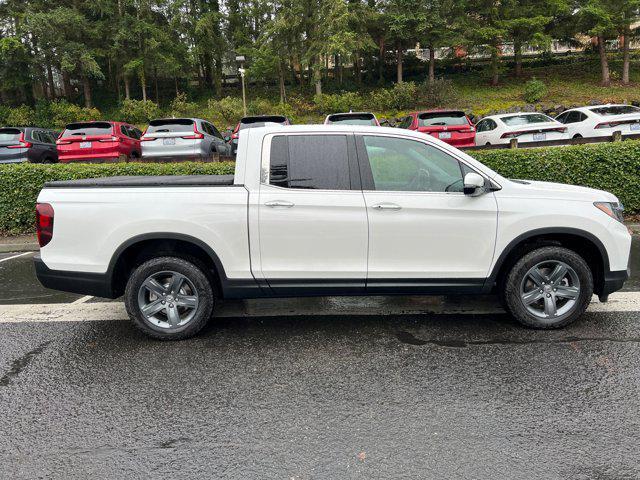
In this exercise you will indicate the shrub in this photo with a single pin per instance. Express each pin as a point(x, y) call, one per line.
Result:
point(21, 183)
point(21, 116)
point(227, 110)
point(534, 91)
point(612, 167)
point(61, 112)
point(440, 93)
point(338, 102)
point(401, 97)
point(139, 111)
point(180, 107)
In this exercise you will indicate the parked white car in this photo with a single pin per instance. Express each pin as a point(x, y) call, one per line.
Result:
point(601, 121)
point(331, 210)
point(526, 127)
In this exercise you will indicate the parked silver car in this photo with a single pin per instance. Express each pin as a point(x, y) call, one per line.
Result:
point(172, 139)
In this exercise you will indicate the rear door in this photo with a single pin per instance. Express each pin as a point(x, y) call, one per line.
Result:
point(312, 218)
point(423, 230)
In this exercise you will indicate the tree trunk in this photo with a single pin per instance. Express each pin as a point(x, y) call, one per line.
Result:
point(66, 83)
point(283, 93)
point(127, 88)
point(155, 81)
point(143, 85)
point(398, 63)
point(381, 55)
point(86, 87)
point(317, 75)
point(432, 64)
point(52, 85)
point(604, 63)
point(517, 51)
point(358, 67)
point(175, 81)
point(625, 57)
point(494, 66)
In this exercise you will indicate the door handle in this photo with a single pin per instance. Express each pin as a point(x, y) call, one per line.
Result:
point(386, 206)
point(279, 203)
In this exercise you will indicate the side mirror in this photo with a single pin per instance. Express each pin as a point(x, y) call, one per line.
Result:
point(473, 184)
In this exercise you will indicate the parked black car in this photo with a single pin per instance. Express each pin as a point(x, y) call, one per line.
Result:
point(28, 144)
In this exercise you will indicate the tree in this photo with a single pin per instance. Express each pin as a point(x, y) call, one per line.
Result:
point(403, 24)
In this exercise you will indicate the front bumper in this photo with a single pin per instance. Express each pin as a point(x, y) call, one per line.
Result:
point(614, 281)
point(83, 283)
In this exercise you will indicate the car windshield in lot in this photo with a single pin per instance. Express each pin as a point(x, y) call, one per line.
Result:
point(87, 129)
point(353, 119)
point(437, 119)
point(9, 134)
point(516, 120)
point(255, 122)
point(615, 110)
point(171, 125)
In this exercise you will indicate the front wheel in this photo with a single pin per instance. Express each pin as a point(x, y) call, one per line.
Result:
point(549, 287)
point(169, 298)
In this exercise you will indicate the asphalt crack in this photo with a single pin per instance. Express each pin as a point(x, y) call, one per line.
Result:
point(19, 364)
point(410, 339)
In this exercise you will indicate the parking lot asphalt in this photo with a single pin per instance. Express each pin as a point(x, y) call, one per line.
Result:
point(274, 392)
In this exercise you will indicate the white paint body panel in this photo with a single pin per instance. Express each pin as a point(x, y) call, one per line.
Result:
point(328, 234)
point(587, 127)
point(494, 137)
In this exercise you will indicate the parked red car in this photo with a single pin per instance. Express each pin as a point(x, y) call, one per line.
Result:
point(450, 126)
point(99, 142)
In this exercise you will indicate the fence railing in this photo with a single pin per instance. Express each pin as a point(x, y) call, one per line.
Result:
point(513, 143)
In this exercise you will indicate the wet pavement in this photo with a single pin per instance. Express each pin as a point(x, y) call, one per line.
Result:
point(260, 395)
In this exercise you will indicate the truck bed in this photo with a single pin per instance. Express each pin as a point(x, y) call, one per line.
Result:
point(146, 181)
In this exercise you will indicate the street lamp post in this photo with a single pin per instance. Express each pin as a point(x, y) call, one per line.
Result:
point(240, 59)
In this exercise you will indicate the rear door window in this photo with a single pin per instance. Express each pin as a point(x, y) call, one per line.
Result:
point(310, 162)
point(87, 129)
point(170, 125)
point(441, 119)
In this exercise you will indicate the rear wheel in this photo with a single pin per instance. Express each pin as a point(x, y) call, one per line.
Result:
point(549, 287)
point(169, 298)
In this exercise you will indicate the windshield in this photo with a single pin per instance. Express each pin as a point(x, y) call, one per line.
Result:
point(615, 110)
point(353, 119)
point(526, 119)
point(171, 125)
point(87, 129)
point(436, 119)
point(10, 135)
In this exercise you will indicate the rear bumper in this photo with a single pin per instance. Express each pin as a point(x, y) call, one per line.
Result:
point(100, 158)
point(96, 284)
point(14, 160)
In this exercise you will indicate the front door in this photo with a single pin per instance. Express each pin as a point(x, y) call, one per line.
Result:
point(311, 215)
point(423, 230)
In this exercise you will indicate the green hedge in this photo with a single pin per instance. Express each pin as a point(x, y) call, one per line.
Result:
point(21, 183)
point(614, 167)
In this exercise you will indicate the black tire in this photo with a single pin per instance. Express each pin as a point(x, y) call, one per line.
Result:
point(514, 285)
point(577, 135)
point(198, 281)
point(48, 161)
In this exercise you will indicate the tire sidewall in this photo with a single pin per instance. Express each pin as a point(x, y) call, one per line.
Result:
point(194, 272)
point(514, 279)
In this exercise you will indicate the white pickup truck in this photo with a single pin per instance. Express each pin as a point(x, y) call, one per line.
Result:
point(331, 210)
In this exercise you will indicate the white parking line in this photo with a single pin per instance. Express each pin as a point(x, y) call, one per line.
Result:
point(103, 311)
point(82, 300)
point(15, 256)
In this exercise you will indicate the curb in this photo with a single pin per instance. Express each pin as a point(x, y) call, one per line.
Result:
point(18, 247)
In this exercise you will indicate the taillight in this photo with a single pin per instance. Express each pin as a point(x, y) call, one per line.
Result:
point(44, 223)
point(63, 142)
point(196, 134)
point(235, 136)
point(112, 139)
point(22, 144)
point(606, 125)
point(147, 139)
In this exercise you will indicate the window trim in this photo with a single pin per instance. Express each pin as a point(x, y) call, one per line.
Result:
point(352, 161)
point(366, 174)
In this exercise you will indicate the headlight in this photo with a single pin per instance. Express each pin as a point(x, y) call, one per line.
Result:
point(613, 209)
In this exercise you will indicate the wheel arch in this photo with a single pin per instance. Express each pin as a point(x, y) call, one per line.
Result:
point(143, 247)
point(582, 242)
